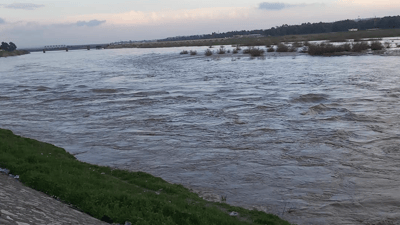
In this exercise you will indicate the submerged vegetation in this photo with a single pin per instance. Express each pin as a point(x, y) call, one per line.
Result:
point(376, 45)
point(331, 49)
point(221, 50)
point(208, 52)
point(282, 48)
point(114, 195)
point(255, 52)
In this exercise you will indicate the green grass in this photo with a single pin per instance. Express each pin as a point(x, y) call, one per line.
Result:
point(114, 195)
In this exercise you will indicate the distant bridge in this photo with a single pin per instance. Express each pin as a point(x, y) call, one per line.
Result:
point(67, 47)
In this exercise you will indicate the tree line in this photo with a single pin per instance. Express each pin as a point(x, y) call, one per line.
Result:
point(389, 22)
point(8, 46)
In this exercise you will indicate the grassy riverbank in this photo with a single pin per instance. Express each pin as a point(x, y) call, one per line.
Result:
point(13, 53)
point(266, 41)
point(114, 195)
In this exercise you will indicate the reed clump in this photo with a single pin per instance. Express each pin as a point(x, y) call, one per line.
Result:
point(193, 52)
point(184, 52)
point(221, 50)
point(330, 49)
point(271, 49)
point(246, 51)
point(376, 45)
point(256, 52)
point(208, 52)
point(282, 48)
point(359, 47)
point(327, 49)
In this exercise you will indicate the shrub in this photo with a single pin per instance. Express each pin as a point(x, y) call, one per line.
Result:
point(327, 49)
point(271, 49)
point(193, 52)
point(208, 52)
point(346, 47)
point(359, 47)
point(246, 51)
point(184, 52)
point(229, 51)
point(221, 50)
point(282, 48)
point(235, 51)
point(376, 45)
point(306, 43)
point(320, 49)
point(255, 52)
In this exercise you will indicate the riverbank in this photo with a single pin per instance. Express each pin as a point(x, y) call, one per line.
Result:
point(266, 41)
point(13, 53)
point(114, 195)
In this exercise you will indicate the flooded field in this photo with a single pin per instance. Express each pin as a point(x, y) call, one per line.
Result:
point(315, 140)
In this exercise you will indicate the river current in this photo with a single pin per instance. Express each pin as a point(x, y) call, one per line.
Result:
point(315, 140)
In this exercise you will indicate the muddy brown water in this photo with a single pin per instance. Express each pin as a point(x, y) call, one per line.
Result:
point(312, 139)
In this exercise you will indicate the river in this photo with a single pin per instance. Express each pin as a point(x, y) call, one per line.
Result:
point(315, 140)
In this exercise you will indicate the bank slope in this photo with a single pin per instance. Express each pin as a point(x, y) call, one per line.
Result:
point(114, 195)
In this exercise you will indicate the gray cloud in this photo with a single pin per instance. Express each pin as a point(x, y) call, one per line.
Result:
point(91, 23)
point(2, 21)
point(275, 6)
point(26, 6)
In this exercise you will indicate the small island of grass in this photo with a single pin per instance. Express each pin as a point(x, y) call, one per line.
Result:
point(10, 49)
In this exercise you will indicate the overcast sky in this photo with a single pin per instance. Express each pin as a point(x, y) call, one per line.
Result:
point(31, 23)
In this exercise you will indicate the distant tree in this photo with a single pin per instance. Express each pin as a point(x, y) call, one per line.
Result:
point(12, 46)
point(8, 47)
point(5, 46)
point(388, 22)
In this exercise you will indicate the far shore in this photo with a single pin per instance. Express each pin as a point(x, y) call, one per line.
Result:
point(270, 40)
point(13, 53)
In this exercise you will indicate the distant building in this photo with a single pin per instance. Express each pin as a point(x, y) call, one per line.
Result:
point(353, 30)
